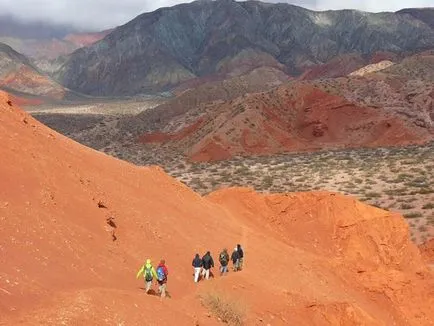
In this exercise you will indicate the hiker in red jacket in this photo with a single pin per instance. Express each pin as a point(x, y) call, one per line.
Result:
point(162, 273)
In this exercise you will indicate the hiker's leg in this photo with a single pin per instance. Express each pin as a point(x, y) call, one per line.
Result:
point(163, 290)
point(207, 274)
point(196, 274)
point(148, 286)
point(225, 269)
point(240, 267)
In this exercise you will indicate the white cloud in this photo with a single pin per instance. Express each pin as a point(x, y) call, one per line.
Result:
point(100, 14)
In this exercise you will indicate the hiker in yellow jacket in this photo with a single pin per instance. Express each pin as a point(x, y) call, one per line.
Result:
point(149, 274)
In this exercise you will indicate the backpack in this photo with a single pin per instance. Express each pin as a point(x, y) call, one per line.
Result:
point(161, 276)
point(148, 274)
point(223, 258)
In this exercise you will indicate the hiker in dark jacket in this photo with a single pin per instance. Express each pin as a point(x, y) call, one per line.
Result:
point(241, 257)
point(224, 261)
point(197, 265)
point(207, 264)
point(235, 259)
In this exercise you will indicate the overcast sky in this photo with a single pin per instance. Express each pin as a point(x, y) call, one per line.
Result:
point(101, 14)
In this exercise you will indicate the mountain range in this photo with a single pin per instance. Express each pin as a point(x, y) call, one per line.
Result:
point(159, 50)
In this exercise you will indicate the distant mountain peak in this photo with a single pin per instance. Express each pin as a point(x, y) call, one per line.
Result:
point(156, 51)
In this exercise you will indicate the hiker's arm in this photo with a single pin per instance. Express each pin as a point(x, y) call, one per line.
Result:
point(154, 273)
point(140, 271)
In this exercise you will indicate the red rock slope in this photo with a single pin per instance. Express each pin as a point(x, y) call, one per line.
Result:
point(294, 117)
point(311, 258)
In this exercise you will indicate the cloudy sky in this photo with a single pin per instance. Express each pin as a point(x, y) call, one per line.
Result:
point(100, 14)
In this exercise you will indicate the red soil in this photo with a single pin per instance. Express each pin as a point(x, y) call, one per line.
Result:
point(311, 258)
point(427, 250)
point(23, 101)
point(160, 137)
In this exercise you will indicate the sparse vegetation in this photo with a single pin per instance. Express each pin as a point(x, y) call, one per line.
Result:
point(227, 310)
point(413, 215)
point(428, 206)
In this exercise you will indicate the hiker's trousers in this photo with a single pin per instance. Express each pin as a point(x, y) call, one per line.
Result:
point(196, 274)
point(205, 273)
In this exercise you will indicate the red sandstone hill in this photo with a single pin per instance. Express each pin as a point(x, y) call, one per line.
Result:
point(294, 117)
point(311, 258)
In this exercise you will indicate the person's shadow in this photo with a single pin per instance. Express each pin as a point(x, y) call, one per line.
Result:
point(151, 292)
point(155, 293)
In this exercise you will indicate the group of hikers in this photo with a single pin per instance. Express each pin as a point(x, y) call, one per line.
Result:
point(202, 267)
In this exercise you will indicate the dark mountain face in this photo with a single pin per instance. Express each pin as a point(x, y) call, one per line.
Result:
point(159, 50)
point(424, 14)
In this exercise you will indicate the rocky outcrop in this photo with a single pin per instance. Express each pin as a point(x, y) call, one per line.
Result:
point(158, 50)
point(372, 68)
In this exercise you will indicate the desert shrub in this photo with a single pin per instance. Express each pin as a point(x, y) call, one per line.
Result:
point(267, 181)
point(413, 215)
point(378, 205)
point(394, 192)
point(422, 228)
point(428, 206)
point(227, 310)
point(425, 191)
point(406, 206)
